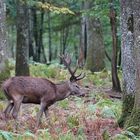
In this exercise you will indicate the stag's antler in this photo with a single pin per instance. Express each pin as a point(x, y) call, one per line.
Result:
point(67, 62)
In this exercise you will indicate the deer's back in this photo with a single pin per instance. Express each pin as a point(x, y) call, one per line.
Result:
point(31, 88)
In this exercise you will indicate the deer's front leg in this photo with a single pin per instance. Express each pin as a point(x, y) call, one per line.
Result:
point(40, 113)
point(46, 112)
point(8, 109)
point(17, 103)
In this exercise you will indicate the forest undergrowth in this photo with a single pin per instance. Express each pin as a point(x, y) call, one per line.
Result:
point(93, 117)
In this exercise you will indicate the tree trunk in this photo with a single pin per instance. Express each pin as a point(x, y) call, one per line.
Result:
point(41, 51)
point(49, 37)
point(95, 46)
point(135, 114)
point(128, 62)
point(115, 80)
point(83, 43)
point(35, 34)
point(63, 40)
point(31, 41)
point(4, 72)
point(22, 50)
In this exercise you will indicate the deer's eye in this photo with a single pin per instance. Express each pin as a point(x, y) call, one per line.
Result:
point(77, 86)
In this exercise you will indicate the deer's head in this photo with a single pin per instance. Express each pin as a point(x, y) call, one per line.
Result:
point(73, 85)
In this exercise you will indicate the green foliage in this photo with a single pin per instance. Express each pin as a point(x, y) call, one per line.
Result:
point(120, 137)
point(108, 112)
point(78, 101)
point(108, 108)
point(72, 121)
point(67, 136)
point(2, 96)
point(133, 129)
point(5, 73)
point(70, 136)
point(6, 135)
point(52, 8)
point(64, 104)
point(11, 8)
point(43, 135)
point(126, 135)
point(3, 76)
point(1, 106)
point(99, 78)
point(42, 70)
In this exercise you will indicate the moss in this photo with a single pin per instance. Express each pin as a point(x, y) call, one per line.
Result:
point(3, 76)
point(5, 73)
point(2, 96)
point(133, 121)
point(128, 103)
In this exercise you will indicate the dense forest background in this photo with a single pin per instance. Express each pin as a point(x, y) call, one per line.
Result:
point(77, 27)
point(102, 38)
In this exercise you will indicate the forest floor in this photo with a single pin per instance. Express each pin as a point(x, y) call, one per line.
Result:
point(93, 117)
point(90, 117)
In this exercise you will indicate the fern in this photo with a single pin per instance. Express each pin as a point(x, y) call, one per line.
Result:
point(6, 135)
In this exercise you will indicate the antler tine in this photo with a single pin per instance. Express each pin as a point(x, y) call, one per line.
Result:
point(76, 67)
point(80, 76)
point(67, 61)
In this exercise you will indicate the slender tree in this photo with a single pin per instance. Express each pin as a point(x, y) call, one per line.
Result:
point(4, 72)
point(83, 38)
point(31, 39)
point(113, 22)
point(41, 54)
point(22, 50)
point(49, 36)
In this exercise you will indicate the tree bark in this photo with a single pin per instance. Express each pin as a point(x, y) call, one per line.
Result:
point(83, 43)
point(83, 39)
point(31, 40)
point(128, 61)
point(49, 37)
point(35, 34)
point(41, 51)
point(4, 71)
point(22, 49)
point(135, 114)
point(95, 46)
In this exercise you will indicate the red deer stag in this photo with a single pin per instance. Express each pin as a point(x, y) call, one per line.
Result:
point(25, 89)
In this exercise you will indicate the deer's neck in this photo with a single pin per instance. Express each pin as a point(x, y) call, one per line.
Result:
point(63, 90)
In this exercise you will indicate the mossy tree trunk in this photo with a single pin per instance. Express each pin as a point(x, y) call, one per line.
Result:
point(22, 50)
point(128, 61)
point(4, 71)
point(134, 119)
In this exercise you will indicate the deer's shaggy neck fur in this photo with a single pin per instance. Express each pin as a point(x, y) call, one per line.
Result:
point(63, 90)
